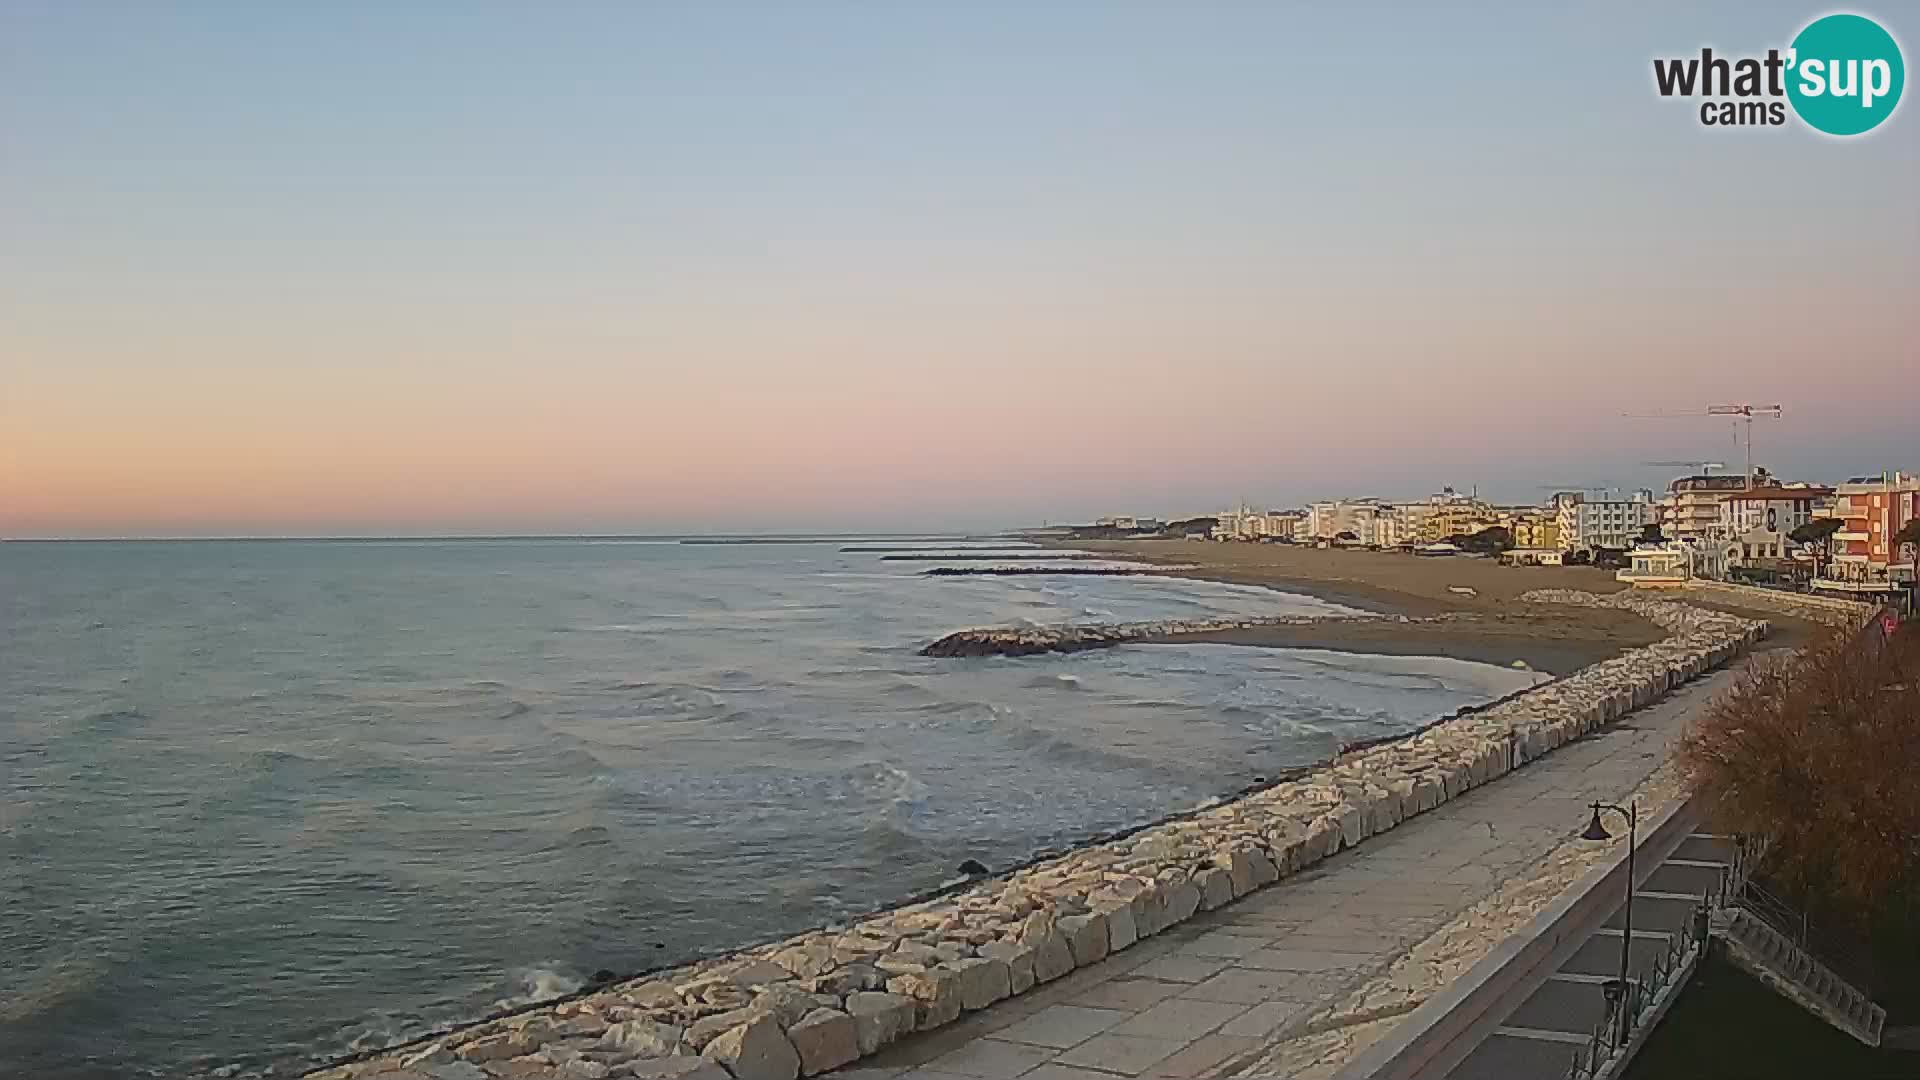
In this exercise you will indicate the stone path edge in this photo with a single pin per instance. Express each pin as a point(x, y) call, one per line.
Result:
point(1436, 1027)
point(823, 999)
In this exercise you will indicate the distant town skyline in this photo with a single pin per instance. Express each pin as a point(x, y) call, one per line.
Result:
point(349, 269)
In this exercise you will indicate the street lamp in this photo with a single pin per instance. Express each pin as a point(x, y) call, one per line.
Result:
point(1598, 831)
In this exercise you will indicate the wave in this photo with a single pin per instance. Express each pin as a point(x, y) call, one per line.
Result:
point(540, 983)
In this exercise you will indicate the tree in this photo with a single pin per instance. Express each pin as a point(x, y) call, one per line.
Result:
point(1817, 535)
point(1579, 558)
point(1607, 558)
point(1346, 535)
point(1491, 540)
point(1819, 753)
point(1651, 534)
point(1910, 534)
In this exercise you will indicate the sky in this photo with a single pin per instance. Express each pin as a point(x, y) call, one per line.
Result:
point(438, 267)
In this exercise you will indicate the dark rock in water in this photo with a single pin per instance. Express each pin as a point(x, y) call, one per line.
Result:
point(601, 977)
point(973, 868)
point(1033, 571)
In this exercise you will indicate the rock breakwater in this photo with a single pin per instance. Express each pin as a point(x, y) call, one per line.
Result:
point(1827, 610)
point(823, 999)
point(1081, 571)
point(1073, 637)
point(999, 556)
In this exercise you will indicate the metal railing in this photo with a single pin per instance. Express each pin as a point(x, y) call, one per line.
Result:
point(1792, 923)
point(1642, 991)
point(1628, 1005)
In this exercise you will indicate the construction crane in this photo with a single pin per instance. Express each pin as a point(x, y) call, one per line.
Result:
point(1741, 412)
point(1703, 466)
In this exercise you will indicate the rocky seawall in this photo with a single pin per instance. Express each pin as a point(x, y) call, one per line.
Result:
point(1827, 610)
point(824, 999)
point(1029, 640)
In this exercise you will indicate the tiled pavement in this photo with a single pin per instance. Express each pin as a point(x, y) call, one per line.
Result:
point(1217, 986)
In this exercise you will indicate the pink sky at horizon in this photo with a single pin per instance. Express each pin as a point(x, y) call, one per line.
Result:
point(449, 300)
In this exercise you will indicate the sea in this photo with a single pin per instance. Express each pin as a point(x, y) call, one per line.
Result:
point(265, 803)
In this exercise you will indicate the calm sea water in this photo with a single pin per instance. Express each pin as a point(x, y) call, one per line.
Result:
point(263, 803)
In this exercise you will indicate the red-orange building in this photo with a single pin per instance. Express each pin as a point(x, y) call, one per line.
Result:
point(1865, 559)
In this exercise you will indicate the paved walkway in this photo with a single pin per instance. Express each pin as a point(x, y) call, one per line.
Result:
point(1219, 986)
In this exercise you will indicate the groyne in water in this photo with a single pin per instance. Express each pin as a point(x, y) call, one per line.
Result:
point(1031, 640)
point(962, 544)
point(823, 999)
point(1084, 571)
point(996, 556)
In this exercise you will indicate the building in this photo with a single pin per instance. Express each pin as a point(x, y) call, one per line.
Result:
point(1779, 508)
point(1691, 510)
point(1279, 525)
point(1756, 522)
point(1672, 564)
point(1448, 513)
point(1246, 523)
point(1234, 524)
point(1658, 566)
point(1389, 528)
point(1536, 529)
point(1865, 558)
point(1531, 556)
point(1585, 523)
point(1361, 517)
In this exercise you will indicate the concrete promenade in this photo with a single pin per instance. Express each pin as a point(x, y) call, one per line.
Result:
point(1212, 995)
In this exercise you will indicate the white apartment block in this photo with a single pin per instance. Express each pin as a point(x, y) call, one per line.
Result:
point(1691, 510)
point(1608, 522)
point(1366, 519)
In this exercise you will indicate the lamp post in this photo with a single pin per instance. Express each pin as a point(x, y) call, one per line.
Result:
point(1598, 831)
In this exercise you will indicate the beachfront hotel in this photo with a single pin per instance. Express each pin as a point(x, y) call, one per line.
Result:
point(1865, 558)
point(1611, 521)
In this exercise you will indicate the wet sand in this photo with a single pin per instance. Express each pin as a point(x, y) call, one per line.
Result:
point(1491, 626)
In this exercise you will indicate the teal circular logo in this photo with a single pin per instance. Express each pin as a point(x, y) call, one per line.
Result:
point(1845, 74)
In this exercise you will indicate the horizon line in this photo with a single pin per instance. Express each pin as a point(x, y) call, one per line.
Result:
point(348, 538)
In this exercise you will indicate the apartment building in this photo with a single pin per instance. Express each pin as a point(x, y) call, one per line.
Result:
point(1757, 521)
point(1691, 510)
point(1536, 529)
point(1611, 520)
point(1363, 518)
point(1445, 514)
point(1246, 523)
point(1865, 558)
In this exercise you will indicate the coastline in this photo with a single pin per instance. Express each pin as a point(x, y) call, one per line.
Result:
point(1491, 626)
point(829, 997)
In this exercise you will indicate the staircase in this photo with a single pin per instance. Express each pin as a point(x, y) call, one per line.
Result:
point(1779, 961)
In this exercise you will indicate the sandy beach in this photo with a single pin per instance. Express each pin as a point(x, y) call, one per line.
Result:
point(1489, 626)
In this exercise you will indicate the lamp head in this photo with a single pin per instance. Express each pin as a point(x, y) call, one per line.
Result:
point(1595, 830)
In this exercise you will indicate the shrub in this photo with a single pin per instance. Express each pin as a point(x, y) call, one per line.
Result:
point(1820, 751)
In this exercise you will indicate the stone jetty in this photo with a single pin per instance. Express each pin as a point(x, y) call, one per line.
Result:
point(824, 999)
point(998, 556)
point(1083, 571)
point(1073, 637)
